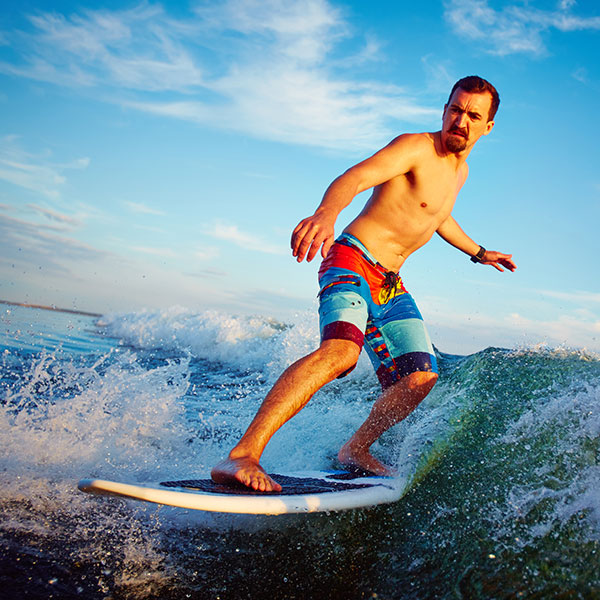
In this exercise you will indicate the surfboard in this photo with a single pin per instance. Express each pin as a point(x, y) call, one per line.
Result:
point(302, 492)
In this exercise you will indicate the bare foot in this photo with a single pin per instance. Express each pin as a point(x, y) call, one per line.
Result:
point(361, 459)
point(246, 471)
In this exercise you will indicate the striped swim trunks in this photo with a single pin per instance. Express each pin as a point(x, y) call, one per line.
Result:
point(362, 302)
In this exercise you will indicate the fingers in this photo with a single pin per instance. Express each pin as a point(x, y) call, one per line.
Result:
point(302, 239)
point(307, 238)
point(499, 260)
point(506, 261)
point(326, 246)
point(297, 236)
point(307, 246)
point(320, 241)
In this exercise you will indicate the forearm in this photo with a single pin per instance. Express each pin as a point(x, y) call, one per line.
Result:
point(339, 195)
point(451, 232)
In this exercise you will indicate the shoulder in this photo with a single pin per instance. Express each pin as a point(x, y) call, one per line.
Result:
point(419, 142)
point(403, 154)
point(412, 145)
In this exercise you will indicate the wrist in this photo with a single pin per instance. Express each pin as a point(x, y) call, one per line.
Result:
point(327, 213)
point(479, 256)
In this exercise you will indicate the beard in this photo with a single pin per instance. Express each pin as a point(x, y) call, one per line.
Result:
point(456, 143)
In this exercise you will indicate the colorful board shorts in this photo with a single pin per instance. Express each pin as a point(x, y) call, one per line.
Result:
point(362, 302)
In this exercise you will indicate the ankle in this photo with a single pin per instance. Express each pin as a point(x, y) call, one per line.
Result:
point(240, 453)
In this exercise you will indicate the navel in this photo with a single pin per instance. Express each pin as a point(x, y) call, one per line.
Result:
point(424, 204)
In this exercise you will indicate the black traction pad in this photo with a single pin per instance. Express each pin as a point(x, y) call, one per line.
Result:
point(291, 486)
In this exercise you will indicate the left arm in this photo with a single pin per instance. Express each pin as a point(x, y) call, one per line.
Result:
point(452, 233)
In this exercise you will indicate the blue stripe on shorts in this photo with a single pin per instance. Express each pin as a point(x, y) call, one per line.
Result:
point(393, 333)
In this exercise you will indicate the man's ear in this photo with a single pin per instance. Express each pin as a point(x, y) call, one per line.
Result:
point(489, 127)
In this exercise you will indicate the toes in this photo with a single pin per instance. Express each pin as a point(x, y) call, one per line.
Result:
point(248, 473)
point(263, 483)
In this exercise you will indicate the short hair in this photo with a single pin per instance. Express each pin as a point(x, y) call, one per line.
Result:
point(477, 85)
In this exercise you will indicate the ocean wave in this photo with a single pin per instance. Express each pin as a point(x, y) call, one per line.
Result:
point(503, 457)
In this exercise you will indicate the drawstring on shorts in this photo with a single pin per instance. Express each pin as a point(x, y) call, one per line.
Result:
point(390, 283)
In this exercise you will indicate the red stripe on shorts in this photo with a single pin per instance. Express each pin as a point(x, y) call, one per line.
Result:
point(342, 330)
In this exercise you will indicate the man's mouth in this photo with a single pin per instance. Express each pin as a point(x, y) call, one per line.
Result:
point(459, 133)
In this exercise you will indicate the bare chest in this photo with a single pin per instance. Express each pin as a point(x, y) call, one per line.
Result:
point(426, 191)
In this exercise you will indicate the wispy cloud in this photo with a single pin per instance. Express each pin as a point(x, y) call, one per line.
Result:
point(66, 221)
point(155, 251)
point(44, 265)
point(137, 48)
point(248, 241)
point(34, 172)
point(267, 68)
point(30, 245)
point(204, 273)
point(138, 207)
point(516, 28)
point(566, 330)
point(566, 4)
point(579, 298)
point(576, 328)
point(580, 74)
point(206, 253)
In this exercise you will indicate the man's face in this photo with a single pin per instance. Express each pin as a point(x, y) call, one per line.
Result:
point(465, 120)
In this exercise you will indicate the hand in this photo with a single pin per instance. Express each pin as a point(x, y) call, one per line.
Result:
point(311, 234)
point(491, 257)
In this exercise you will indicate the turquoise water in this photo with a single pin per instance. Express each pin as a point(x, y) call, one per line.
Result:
point(503, 460)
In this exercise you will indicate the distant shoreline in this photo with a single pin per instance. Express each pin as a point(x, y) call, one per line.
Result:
point(54, 308)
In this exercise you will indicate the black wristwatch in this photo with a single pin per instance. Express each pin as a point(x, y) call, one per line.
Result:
point(477, 258)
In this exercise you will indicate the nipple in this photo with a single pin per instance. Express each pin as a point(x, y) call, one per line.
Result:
point(424, 204)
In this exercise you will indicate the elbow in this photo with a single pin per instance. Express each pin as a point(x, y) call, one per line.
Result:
point(347, 183)
point(354, 180)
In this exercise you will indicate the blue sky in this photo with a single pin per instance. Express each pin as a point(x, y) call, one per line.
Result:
point(159, 154)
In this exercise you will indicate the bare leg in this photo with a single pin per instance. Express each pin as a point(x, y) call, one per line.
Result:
point(289, 395)
point(394, 405)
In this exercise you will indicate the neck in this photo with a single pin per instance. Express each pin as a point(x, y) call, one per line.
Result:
point(442, 150)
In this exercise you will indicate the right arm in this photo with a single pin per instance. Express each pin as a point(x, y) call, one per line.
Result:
point(317, 231)
point(451, 231)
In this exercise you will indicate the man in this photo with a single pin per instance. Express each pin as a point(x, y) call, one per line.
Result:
point(415, 181)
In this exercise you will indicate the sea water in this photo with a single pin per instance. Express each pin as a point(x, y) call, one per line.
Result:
point(502, 458)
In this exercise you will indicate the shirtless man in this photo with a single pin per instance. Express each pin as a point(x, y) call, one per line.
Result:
point(415, 181)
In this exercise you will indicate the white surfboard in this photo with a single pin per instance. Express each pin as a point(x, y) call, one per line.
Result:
point(302, 492)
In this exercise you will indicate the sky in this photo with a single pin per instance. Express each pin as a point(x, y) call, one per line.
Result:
point(158, 154)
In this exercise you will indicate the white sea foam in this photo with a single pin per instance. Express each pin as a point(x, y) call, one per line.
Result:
point(257, 350)
point(565, 481)
point(66, 419)
point(117, 417)
point(243, 342)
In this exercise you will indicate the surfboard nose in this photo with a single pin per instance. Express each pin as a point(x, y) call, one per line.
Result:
point(85, 485)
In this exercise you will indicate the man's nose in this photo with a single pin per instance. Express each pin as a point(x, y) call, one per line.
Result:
point(461, 119)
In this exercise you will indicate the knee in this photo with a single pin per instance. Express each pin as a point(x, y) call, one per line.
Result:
point(340, 356)
point(421, 381)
